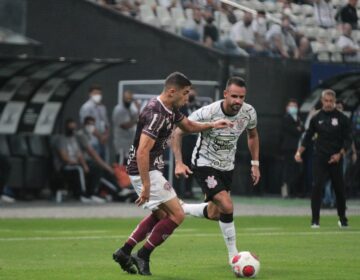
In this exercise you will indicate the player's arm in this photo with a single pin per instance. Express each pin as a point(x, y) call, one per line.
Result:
point(181, 169)
point(253, 144)
point(189, 126)
point(143, 162)
point(307, 139)
point(95, 156)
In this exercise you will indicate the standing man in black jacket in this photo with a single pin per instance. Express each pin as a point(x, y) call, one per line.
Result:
point(292, 128)
point(332, 134)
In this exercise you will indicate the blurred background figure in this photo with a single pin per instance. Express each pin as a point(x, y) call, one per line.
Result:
point(5, 169)
point(124, 119)
point(184, 186)
point(94, 108)
point(292, 128)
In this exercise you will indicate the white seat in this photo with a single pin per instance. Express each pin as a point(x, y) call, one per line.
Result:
point(222, 22)
point(147, 15)
point(307, 10)
point(269, 6)
point(189, 13)
point(239, 14)
point(178, 17)
point(164, 18)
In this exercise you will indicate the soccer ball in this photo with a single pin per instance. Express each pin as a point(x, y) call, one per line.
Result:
point(245, 264)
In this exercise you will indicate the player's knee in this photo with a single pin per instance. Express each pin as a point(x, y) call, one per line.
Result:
point(178, 217)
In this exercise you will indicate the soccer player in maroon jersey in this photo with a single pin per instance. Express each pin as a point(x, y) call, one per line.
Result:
point(145, 166)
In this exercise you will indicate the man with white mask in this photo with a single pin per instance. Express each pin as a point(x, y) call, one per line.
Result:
point(94, 108)
point(292, 128)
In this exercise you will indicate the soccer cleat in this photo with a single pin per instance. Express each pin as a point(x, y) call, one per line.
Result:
point(315, 225)
point(343, 223)
point(142, 265)
point(124, 261)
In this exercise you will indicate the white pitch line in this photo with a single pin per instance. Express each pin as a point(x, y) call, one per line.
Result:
point(50, 238)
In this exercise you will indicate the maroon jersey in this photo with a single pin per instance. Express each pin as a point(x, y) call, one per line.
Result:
point(157, 122)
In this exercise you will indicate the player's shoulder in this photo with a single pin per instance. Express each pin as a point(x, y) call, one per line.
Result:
point(248, 108)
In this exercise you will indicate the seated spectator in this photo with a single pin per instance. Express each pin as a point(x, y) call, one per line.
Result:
point(194, 28)
point(70, 162)
point(281, 41)
point(324, 13)
point(348, 45)
point(305, 51)
point(243, 34)
point(102, 172)
point(211, 32)
point(168, 4)
point(348, 14)
point(260, 28)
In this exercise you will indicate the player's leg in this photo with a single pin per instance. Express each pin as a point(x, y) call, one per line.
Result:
point(161, 231)
point(226, 221)
point(208, 210)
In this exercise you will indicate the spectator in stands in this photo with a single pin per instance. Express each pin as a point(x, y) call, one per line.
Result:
point(211, 32)
point(194, 27)
point(281, 41)
point(324, 13)
point(348, 45)
point(243, 34)
point(190, 4)
point(168, 4)
point(211, 6)
point(260, 28)
point(5, 169)
point(305, 51)
point(94, 108)
point(348, 14)
point(102, 173)
point(70, 162)
point(292, 128)
point(128, 7)
point(124, 120)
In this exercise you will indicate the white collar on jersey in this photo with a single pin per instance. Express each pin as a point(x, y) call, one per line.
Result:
point(162, 104)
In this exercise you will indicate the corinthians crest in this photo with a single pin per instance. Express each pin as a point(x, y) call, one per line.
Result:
point(211, 182)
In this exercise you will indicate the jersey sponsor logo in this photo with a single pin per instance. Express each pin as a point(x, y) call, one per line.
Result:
point(223, 142)
point(211, 182)
point(334, 122)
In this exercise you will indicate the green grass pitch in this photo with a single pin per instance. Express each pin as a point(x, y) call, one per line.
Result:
point(82, 249)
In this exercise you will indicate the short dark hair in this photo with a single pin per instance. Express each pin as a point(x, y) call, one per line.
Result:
point(292, 100)
point(89, 119)
point(94, 87)
point(69, 121)
point(178, 80)
point(235, 80)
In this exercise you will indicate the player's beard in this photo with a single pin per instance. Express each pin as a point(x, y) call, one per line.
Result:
point(235, 108)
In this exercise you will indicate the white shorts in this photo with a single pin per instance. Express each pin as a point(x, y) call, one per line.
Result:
point(160, 189)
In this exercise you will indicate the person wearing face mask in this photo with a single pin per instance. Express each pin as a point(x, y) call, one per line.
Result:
point(124, 119)
point(102, 173)
point(333, 138)
point(94, 108)
point(70, 162)
point(292, 128)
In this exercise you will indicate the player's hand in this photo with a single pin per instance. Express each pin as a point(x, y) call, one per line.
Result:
point(298, 157)
point(222, 124)
point(255, 174)
point(144, 196)
point(182, 170)
point(335, 158)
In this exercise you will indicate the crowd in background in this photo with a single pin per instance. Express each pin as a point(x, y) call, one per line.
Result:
point(326, 34)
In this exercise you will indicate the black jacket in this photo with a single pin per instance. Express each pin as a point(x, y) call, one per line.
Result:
point(291, 132)
point(331, 132)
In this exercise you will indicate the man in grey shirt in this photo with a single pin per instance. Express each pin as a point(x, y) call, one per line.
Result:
point(94, 108)
point(124, 118)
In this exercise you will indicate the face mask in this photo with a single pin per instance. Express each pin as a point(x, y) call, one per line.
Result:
point(293, 110)
point(90, 128)
point(127, 104)
point(261, 21)
point(69, 131)
point(96, 98)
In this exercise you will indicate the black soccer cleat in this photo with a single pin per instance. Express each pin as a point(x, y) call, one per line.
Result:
point(124, 261)
point(142, 265)
point(343, 222)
